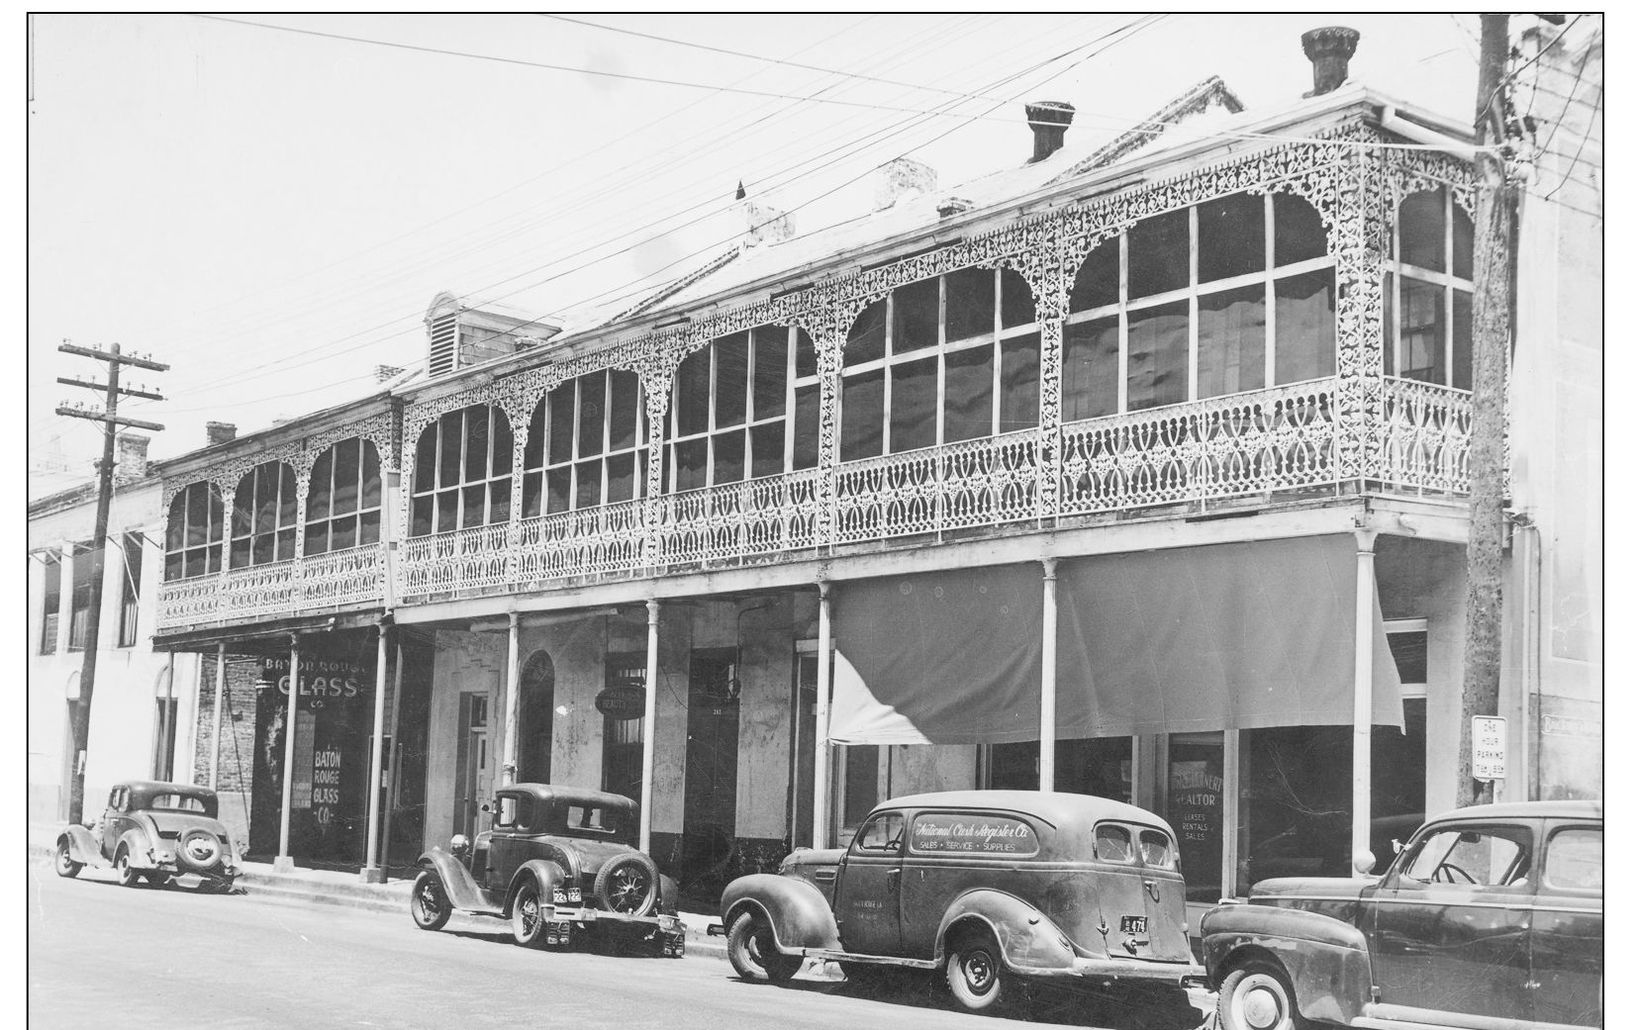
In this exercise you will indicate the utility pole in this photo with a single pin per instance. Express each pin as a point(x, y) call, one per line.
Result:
point(112, 392)
point(1488, 474)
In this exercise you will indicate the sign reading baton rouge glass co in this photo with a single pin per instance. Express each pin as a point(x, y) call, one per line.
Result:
point(1487, 748)
point(967, 834)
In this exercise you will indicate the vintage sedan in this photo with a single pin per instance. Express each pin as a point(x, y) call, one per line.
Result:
point(152, 832)
point(560, 864)
point(994, 888)
point(1492, 917)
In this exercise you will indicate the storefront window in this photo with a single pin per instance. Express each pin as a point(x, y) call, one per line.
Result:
point(1101, 766)
point(951, 358)
point(1195, 807)
point(1228, 296)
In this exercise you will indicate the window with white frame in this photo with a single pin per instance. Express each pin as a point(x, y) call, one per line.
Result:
point(952, 358)
point(51, 607)
point(744, 407)
point(586, 444)
point(1429, 292)
point(193, 532)
point(264, 516)
point(344, 498)
point(1230, 295)
point(130, 587)
point(463, 471)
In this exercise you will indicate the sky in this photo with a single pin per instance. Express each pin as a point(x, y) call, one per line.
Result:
point(270, 207)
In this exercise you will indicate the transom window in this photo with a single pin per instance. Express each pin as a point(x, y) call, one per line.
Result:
point(746, 406)
point(1429, 292)
point(1231, 295)
point(344, 498)
point(193, 532)
point(264, 516)
point(586, 444)
point(463, 471)
point(951, 358)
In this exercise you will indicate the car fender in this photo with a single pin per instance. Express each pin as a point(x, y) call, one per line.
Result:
point(566, 858)
point(1030, 941)
point(544, 873)
point(457, 881)
point(795, 910)
point(1326, 959)
point(137, 844)
point(668, 895)
point(82, 847)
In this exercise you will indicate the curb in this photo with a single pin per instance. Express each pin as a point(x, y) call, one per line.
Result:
point(391, 898)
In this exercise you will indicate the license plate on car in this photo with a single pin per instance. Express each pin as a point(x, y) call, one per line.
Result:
point(1133, 924)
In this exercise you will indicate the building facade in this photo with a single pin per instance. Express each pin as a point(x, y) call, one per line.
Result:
point(1140, 472)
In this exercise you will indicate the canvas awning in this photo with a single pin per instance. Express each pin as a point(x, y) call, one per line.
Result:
point(1225, 636)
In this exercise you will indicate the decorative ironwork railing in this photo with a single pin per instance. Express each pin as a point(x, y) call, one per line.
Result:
point(1283, 438)
point(1424, 437)
point(463, 559)
point(1244, 443)
point(584, 542)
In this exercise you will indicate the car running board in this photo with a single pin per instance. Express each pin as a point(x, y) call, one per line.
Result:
point(869, 960)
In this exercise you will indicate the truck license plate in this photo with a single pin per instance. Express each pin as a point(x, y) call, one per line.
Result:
point(1133, 924)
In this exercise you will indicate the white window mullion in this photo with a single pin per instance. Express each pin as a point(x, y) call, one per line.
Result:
point(791, 399)
point(888, 376)
point(996, 350)
point(939, 364)
point(1450, 217)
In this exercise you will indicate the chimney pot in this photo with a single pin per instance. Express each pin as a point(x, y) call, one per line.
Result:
point(1329, 50)
point(1048, 120)
point(219, 432)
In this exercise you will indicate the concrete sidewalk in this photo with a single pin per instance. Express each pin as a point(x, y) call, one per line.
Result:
point(327, 887)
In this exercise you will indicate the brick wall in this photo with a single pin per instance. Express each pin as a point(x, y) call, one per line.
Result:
point(238, 752)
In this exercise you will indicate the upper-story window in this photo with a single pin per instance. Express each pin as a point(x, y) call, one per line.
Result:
point(51, 608)
point(744, 407)
point(1429, 292)
point(130, 587)
point(942, 360)
point(1231, 295)
point(193, 532)
point(264, 516)
point(586, 444)
point(344, 507)
point(463, 471)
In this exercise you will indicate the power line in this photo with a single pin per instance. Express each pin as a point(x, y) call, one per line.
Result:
point(1594, 112)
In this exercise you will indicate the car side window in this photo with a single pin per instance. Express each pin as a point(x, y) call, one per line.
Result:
point(1574, 859)
point(1156, 849)
point(880, 835)
point(506, 812)
point(114, 799)
point(1112, 843)
point(1473, 856)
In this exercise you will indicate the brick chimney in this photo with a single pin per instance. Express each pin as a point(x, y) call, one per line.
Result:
point(386, 372)
point(900, 178)
point(1329, 50)
point(131, 457)
point(219, 432)
point(1048, 120)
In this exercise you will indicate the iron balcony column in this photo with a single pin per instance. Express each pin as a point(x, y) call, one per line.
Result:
point(372, 871)
point(651, 683)
point(283, 863)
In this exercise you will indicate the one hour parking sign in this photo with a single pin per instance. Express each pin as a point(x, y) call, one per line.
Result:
point(1487, 748)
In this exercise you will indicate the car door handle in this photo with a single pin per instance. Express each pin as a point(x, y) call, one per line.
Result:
point(893, 878)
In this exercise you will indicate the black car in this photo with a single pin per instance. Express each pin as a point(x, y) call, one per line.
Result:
point(560, 864)
point(152, 832)
point(1492, 916)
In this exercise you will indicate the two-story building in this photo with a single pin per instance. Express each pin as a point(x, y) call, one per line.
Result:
point(1138, 470)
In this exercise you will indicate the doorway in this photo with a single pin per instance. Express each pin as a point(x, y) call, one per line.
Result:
point(472, 761)
point(535, 720)
point(711, 772)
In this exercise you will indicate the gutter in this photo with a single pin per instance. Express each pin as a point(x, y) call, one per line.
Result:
point(1392, 120)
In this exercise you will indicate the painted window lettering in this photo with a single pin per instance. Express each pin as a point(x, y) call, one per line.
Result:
point(944, 833)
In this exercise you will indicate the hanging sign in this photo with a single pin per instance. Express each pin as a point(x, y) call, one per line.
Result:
point(622, 701)
point(1488, 753)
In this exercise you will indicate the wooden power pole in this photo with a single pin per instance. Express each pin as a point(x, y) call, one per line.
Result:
point(112, 392)
point(1488, 473)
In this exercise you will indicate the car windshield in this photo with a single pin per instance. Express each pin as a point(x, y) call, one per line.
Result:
point(179, 803)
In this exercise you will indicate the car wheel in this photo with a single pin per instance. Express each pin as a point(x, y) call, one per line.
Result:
point(129, 877)
point(753, 953)
point(975, 974)
point(1258, 997)
point(64, 862)
point(529, 926)
point(429, 905)
point(628, 883)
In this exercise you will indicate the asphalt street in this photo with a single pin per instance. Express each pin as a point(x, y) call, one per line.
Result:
point(101, 955)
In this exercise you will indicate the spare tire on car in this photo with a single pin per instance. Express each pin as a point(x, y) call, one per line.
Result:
point(199, 850)
point(628, 883)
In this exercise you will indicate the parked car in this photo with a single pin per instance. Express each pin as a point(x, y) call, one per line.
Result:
point(151, 832)
point(1492, 916)
point(560, 864)
point(993, 887)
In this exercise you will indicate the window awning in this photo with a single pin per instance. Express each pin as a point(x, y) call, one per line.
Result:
point(1225, 636)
